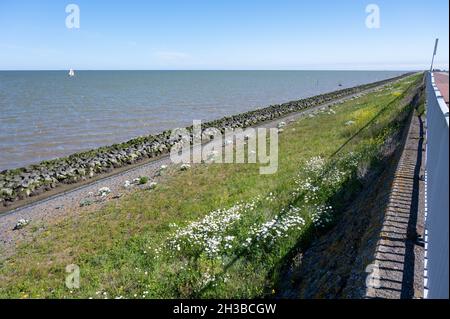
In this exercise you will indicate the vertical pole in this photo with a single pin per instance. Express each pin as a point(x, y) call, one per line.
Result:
point(434, 54)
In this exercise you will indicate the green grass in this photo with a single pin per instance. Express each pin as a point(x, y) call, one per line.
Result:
point(143, 180)
point(127, 248)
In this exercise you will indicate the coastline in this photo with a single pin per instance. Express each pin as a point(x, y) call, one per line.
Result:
point(65, 201)
point(129, 219)
point(22, 186)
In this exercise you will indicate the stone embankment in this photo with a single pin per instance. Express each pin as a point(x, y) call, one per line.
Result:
point(21, 183)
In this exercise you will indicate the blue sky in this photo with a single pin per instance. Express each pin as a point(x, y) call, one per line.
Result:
point(223, 34)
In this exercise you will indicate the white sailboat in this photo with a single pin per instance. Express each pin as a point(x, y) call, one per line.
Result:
point(71, 73)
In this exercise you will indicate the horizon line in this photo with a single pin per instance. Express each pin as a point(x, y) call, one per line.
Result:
point(288, 70)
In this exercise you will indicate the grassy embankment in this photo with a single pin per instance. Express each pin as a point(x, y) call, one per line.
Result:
point(216, 230)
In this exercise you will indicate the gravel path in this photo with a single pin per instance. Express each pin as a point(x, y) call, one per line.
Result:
point(63, 205)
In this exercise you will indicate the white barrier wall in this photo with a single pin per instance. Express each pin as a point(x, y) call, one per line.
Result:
point(437, 198)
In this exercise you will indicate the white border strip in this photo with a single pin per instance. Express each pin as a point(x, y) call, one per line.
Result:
point(445, 112)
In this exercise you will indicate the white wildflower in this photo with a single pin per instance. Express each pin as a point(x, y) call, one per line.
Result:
point(152, 185)
point(21, 223)
point(210, 235)
point(279, 227)
point(127, 184)
point(104, 191)
point(185, 167)
point(281, 124)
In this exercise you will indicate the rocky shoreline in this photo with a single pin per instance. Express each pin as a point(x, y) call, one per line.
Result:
point(19, 184)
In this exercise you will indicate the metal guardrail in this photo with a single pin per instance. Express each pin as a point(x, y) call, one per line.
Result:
point(436, 263)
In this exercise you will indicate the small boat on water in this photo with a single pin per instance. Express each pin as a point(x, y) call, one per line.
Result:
point(71, 73)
